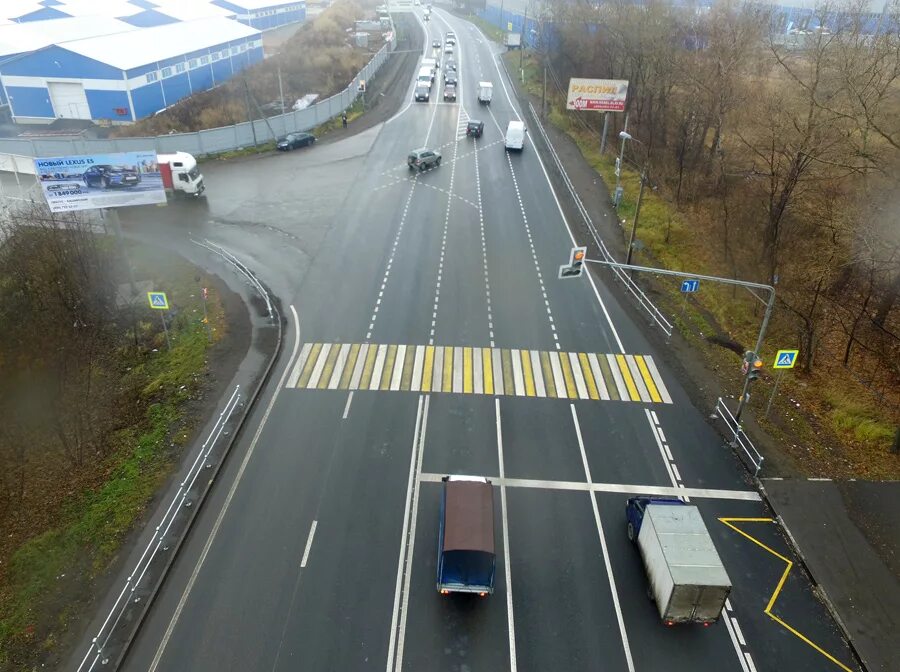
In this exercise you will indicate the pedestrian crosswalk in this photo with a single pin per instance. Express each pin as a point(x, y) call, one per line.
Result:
point(475, 370)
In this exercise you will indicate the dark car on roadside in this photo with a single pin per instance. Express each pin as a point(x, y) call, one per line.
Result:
point(107, 177)
point(422, 159)
point(423, 93)
point(295, 140)
point(450, 92)
point(475, 128)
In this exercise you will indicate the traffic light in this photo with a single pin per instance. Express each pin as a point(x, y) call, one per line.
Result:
point(575, 267)
point(752, 365)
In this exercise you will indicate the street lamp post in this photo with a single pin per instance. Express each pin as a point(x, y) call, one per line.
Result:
point(623, 134)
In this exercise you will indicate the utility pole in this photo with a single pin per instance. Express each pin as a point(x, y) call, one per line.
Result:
point(522, 40)
point(544, 92)
point(637, 213)
point(280, 87)
point(603, 135)
point(621, 157)
point(249, 117)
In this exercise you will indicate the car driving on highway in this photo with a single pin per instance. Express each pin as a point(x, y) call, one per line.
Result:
point(107, 177)
point(436, 44)
point(422, 159)
point(422, 94)
point(450, 92)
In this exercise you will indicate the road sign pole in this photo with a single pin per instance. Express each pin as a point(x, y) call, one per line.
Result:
point(637, 213)
point(113, 215)
point(774, 391)
point(162, 315)
point(759, 340)
point(603, 136)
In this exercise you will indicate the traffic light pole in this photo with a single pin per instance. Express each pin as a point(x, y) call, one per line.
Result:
point(770, 304)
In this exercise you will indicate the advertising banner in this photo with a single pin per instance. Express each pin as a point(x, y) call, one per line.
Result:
point(100, 181)
point(600, 95)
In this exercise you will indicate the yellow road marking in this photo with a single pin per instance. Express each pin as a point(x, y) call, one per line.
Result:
point(611, 386)
point(406, 376)
point(368, 367)
point(567, 376)
point(329, 366)
point(549, 385)
point(348, 367)
point(626, 376)
point(526, 373)
point(789, 564)
point(488, 370)
point(467, 370)
point(508, 382)
point(427, 369)
point(588, 376)
point(448, 369)
point(648, 378)
point(310, 365)
point(388, 368)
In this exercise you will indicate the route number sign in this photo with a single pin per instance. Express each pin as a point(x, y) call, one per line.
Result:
point(690, 286)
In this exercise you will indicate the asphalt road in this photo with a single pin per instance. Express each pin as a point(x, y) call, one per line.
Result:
point(317, 549)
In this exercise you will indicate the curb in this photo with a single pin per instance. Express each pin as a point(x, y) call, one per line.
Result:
point(201, 499)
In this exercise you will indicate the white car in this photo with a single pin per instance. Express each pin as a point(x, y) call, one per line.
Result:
point(448, 48)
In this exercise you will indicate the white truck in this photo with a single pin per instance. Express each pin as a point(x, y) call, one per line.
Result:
point(485, 92)
point(513, 40)
point(687, 579)
point(180, 174)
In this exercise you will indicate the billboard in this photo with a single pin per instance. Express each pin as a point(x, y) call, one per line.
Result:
point(601, 95)
point(100, 180)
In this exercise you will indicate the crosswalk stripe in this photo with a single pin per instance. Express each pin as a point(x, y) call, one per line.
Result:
point(408, 363)
point(447, 385)
point(310, 365)
point(621, 390)
point(638, 379)
point(457, 370)
point(579, 376)
point(298, 367)
point(571, 391)
point(478, 370)
point(428, 371)
point(588, 376)
point(497, 369)
point(626, 376)
point(338, 368)
point(598, 376)
point(548, 374)
point(398, 367)
point(360, 366)
point(527, 375)
point(558, 380)
point(349, 367)
point(538, 376)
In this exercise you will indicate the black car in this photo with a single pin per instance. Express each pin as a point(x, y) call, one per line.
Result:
point(450, 92)
point(107, 176)
point(423, 93)
point(295, 140)
point(474, 128)
point(450, 64)
point(436, 44)
point(450, 77)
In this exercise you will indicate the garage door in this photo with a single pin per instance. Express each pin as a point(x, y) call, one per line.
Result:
point(69, 101)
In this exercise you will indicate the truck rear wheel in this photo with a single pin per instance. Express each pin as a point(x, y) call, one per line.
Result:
point(630, 531)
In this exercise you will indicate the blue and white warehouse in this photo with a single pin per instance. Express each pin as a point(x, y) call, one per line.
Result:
point(265, 14)
point(125, 76)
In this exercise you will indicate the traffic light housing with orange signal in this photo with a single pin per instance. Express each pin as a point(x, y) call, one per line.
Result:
point(575, 267)
point(752, 366)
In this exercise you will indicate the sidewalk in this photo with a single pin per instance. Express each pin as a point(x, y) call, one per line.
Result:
point(848, 536)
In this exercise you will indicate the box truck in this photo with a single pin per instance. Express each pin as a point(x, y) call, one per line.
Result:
point(466, 559)
point(180, 174)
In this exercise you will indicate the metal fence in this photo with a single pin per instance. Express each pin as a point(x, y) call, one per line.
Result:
point(738, 439)
point(199, 143)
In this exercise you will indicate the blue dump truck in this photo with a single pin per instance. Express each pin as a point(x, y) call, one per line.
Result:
point(466, 560)
point(687, 579)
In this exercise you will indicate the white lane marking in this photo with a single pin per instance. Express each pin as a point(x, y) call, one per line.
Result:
point(657, 379)
point(437, 369)
point(339, 366)
point(170, 628)
point(497, 369)
point(518, 383)
point(666, 462)
point(623, 488)
point(506, 554)
point(617, 376)
point(606, 560)
point(737, 631)
point(737, 646)
point(320, 364)
point(347, 407)
point(410, 547)
point(598, 376)
point(458, 366)
point(558, 381)
point(410, 485)
point(749, 659)
point(360, 364)
point(538, 374)
point(298, 367)
point(478, 371)
point(580, 385)
point(379, 367)
point(638, 379)
point(309, 540)
point(398, 367)
point(417, 368)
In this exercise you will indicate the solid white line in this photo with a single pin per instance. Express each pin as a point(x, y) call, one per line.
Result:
point(403, 539)
point(506, 562)
point(662, 451)
point(309, 540)
point(347, 407)
point(360, 363)
point(298, 367)
point(215, 529)
point(624, 488)
point(749, 659)
point(411, 544)
point(606, 560)
point(737, 648)
point(398, 367)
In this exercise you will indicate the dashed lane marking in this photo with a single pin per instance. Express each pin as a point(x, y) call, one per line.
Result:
point(468, 370)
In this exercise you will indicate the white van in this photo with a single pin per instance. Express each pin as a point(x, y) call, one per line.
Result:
point(515, 135)
point(430, 63)
point(425, 77)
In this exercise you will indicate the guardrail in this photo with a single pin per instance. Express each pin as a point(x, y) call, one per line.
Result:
point(643, 300)
point(198, 143)
point(742, 444)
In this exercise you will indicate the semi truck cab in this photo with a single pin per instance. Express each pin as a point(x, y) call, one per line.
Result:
point(180, 173)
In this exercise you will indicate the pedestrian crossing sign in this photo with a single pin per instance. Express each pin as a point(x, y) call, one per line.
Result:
point(785, 359)
point(158, 300)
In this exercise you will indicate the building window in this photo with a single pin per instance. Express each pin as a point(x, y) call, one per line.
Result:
point(215, 56)
point(242, 48)
point(204, 60)
point(166, 72)
point(225, 53)
point(192, 63)
point(179, 67)
point(152, 77)
point(234, 50)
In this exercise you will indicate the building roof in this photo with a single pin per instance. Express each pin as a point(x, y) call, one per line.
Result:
point(188, 11)
point(149, 45)
point(20, 38)
point(13, 9)
point(114, 8)
point(262, 4)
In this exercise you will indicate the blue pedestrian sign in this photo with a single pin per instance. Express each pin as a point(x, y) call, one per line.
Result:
point(785, 359)
point(690, 286)
point(158, 300)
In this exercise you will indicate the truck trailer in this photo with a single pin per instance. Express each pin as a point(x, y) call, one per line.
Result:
point(687, 579)
point(466, 559)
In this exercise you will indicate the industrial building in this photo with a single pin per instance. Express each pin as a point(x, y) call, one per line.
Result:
point(265, 14)
point(126, 75)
